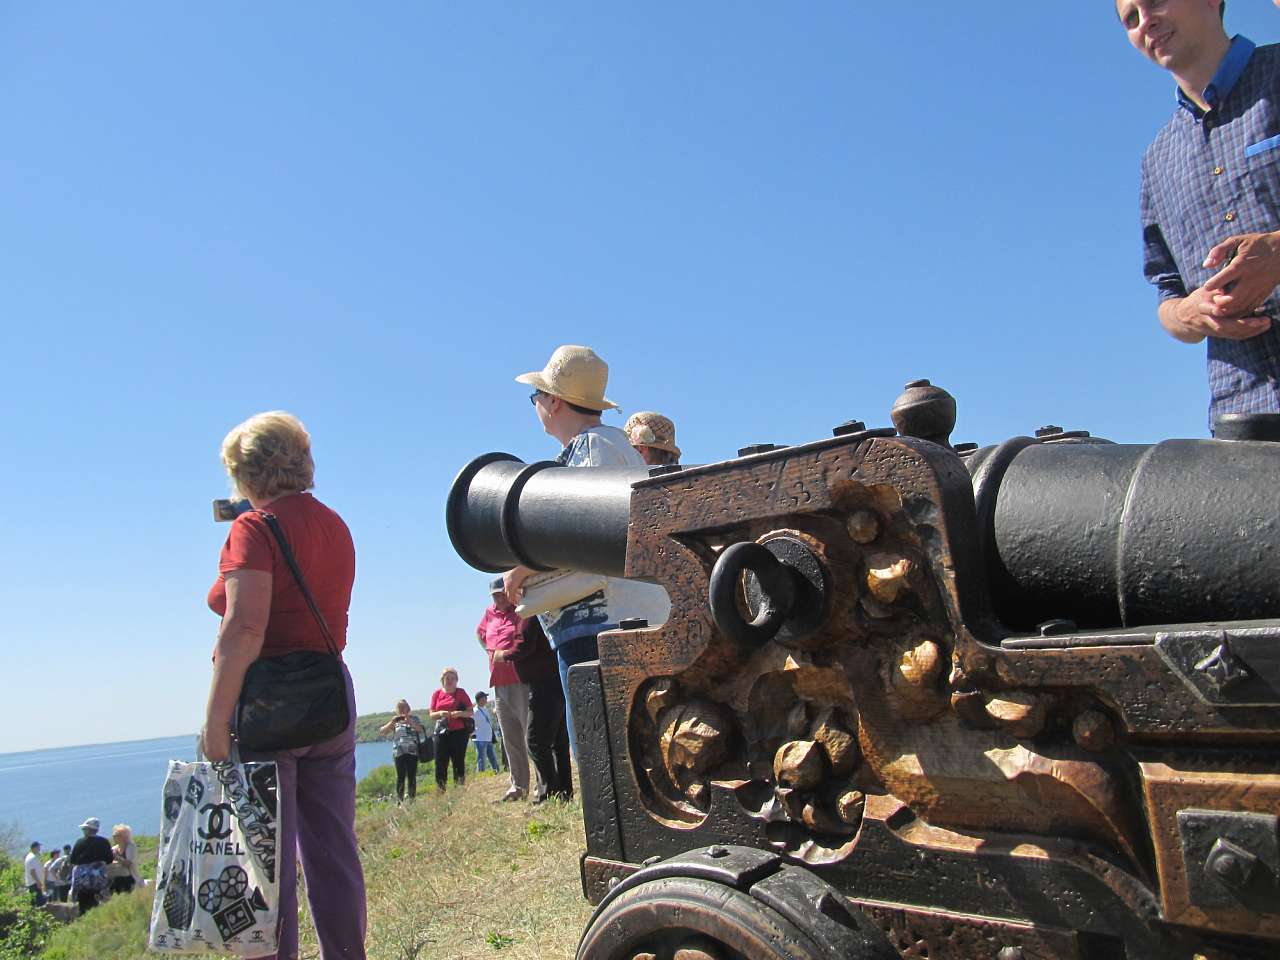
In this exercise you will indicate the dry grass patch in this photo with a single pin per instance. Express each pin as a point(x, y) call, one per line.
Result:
point(462, 875)
point(448, 877)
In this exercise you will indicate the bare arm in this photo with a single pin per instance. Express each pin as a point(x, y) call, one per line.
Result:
point(513, 582)
point(1192, 318)
point(239, 643)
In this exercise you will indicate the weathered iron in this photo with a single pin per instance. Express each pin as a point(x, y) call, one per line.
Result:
point(922, 701)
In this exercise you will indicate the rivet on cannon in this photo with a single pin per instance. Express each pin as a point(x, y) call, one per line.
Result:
point(752, 449)
point(863, 526)
point(1231, 864)
point(1093, 731)
point(848, 427)
point(717, 852)
point(1010, 953)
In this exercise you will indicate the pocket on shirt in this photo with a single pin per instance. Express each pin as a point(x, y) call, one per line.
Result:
point(1262, 173)
point(1261, 147)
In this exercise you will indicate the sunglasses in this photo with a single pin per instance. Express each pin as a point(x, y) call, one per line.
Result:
point(533, 397)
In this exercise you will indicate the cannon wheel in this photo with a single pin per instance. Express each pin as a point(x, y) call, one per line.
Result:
point(729, 903)
point(687, 918)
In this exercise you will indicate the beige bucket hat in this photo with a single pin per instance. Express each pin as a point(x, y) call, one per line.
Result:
point(649, 429)
point(575, 374)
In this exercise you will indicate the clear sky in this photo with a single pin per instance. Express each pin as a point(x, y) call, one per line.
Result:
point(767, 217)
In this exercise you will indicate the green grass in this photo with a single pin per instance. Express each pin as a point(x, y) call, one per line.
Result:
point(448, 877)
point(116, 930)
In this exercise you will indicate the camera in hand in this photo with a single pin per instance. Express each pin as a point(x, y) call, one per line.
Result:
point(224, 511)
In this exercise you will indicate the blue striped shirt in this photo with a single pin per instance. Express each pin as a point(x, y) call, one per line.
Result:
point(1207, 176)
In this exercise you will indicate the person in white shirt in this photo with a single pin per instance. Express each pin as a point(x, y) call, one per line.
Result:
point(57, 875)
point(484, 735)
point(33, 875)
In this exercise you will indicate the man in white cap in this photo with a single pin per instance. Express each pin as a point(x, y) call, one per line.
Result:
point(89, 859)
point(498, 631)
point(569, 399)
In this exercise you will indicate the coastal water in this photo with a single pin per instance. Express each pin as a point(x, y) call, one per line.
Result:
point(46, 794)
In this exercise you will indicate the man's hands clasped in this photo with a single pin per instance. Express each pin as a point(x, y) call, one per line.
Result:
point(1227, 305)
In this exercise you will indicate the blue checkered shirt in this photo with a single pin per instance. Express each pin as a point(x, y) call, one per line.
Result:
point(1207, 176)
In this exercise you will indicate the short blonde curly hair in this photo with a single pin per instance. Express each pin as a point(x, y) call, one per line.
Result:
point(269, 455)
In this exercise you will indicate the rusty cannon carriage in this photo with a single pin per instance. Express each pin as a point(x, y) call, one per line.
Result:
point(917, 700)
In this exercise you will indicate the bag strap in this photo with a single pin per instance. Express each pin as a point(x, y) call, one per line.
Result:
point(274, 524)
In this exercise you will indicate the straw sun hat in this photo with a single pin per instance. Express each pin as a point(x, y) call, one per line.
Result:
point(574, 374)
point(649, 429)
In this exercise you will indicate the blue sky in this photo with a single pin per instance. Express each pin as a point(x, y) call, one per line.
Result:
point(766, 217)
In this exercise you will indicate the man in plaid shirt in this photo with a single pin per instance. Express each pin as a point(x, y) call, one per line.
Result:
point(1211, 196)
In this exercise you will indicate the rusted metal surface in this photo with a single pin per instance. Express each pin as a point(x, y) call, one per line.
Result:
point(600, 876)
point(936, 933)
point(835, 688)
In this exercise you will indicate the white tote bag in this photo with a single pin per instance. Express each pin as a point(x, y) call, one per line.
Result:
point(217, 883)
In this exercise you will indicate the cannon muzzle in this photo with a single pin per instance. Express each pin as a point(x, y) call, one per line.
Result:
point(503, 512)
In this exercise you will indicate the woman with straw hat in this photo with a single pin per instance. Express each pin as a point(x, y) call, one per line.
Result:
point(653, 436)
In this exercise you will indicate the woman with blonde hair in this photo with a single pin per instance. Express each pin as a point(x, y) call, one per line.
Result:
point(266, 613)
point(124, 871)
point(406, 742)
point(451, 709)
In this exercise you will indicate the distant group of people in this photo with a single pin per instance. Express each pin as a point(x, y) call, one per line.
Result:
point(270, 607)
point(455, 720)
point(85, 872)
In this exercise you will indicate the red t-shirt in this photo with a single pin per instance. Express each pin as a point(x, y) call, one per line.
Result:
point(458, 700)
point(321, 544)
point(499, 630)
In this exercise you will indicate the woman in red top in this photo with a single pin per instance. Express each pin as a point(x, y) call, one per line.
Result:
point(450, 707)
point(265, 614)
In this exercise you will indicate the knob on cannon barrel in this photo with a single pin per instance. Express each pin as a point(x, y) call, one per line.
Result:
point(502, 512)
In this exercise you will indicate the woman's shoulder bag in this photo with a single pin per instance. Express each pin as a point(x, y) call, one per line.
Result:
point(298, 699)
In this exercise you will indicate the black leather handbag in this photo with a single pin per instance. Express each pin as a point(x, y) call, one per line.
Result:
point(298, 699)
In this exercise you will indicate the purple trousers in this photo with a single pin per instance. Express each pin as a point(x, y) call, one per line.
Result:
point(317, 808)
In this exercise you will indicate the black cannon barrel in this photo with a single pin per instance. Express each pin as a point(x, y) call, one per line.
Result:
point(1131, 534)
point(502, 512)
point(1102, 534)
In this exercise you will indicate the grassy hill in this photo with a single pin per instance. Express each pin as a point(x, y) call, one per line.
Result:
point(448, 878)
point(368, 724)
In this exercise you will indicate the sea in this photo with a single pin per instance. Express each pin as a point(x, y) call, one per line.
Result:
point(46, 794)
